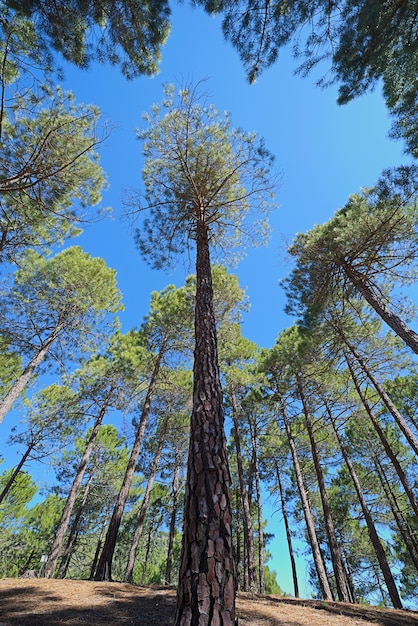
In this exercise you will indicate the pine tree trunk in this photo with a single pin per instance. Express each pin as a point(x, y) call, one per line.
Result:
point(310, 526)
point(206, 590)
point(398, 468)
point(71, 498)
point(20, 383)
point(145, 504)
point(409, 435)
point(250, 584)
point(261, 582)
point(409, 336)
point(288, 533)
point(16, 471)
point(72, 536)
point(171, 534)
point(336, 557)
point(374, 538)
point(104, 566)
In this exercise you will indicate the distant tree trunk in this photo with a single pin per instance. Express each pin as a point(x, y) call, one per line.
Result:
point(313, 539)
point(206, 590)
point(250, 579)
point(374, 538)
point(145, 503)
point(403, 331)
point(403, 425)
point(336, 557)
point(99, 546)
point(398, 468)
point(16, 471)
point(104, 566)
point(69, 548)
point(288, 533)
point(20, 383)
point(254, 435)
point(408, 536)
point(71, 498)
point(172, 531)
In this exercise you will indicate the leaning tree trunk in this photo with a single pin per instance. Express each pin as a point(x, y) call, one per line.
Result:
point(261, 582)
point(409, 336)
point(336, 557)
point(71, 541)
point(206, 590)
point(288, 532)
point(403, 425)
point(171, 534)
point(377, 427)
point(250, 584)
point(374, 537)
point(71, 498)
point(310, 526)
point(20, 383)
point(16, 471)
point(145, 504)
point(104, 566)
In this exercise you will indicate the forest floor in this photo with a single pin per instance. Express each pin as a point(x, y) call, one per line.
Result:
point(41, 602)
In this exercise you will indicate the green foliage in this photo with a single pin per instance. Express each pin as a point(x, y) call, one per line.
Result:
point(198, 168)
point(127, 33)
point(270, 581)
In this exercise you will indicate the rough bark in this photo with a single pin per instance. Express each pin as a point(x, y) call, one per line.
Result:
point(104, 566)
point(71, 498)
point(250, 583)
point(288, 533)
point(145, 504)
point(206, 589)
point(336, 557)
point(310, 526)
point(20, 383)
point(391, 455)
point(409, 336)
point(374, 537)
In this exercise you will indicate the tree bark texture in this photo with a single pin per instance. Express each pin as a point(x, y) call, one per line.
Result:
point(104, 566)
point(313, 539)
point(409, 336)
point(173, 518)
point(71, 498)
point(206, 589)
point(336, 557)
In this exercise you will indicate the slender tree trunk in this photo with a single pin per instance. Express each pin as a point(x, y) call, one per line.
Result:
point(171, 534)
point(336, 557)
point(407, 534)
point(99, 546)
point(104, 566)
point(16, 471)
point(409, 336)
point(313, 539)
point(69, 548)
point(403, 425)
point(206, 590)
point(246, 513)
point(145, 504)
point(71, 498)
point(401, 474)
point(288, 533)
point(261, 583)
point(374, 537)
point(20, 383)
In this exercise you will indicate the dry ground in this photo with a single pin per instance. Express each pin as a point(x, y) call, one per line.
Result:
point(41, 602)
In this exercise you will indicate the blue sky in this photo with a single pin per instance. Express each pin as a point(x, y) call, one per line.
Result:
point(324, 153)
